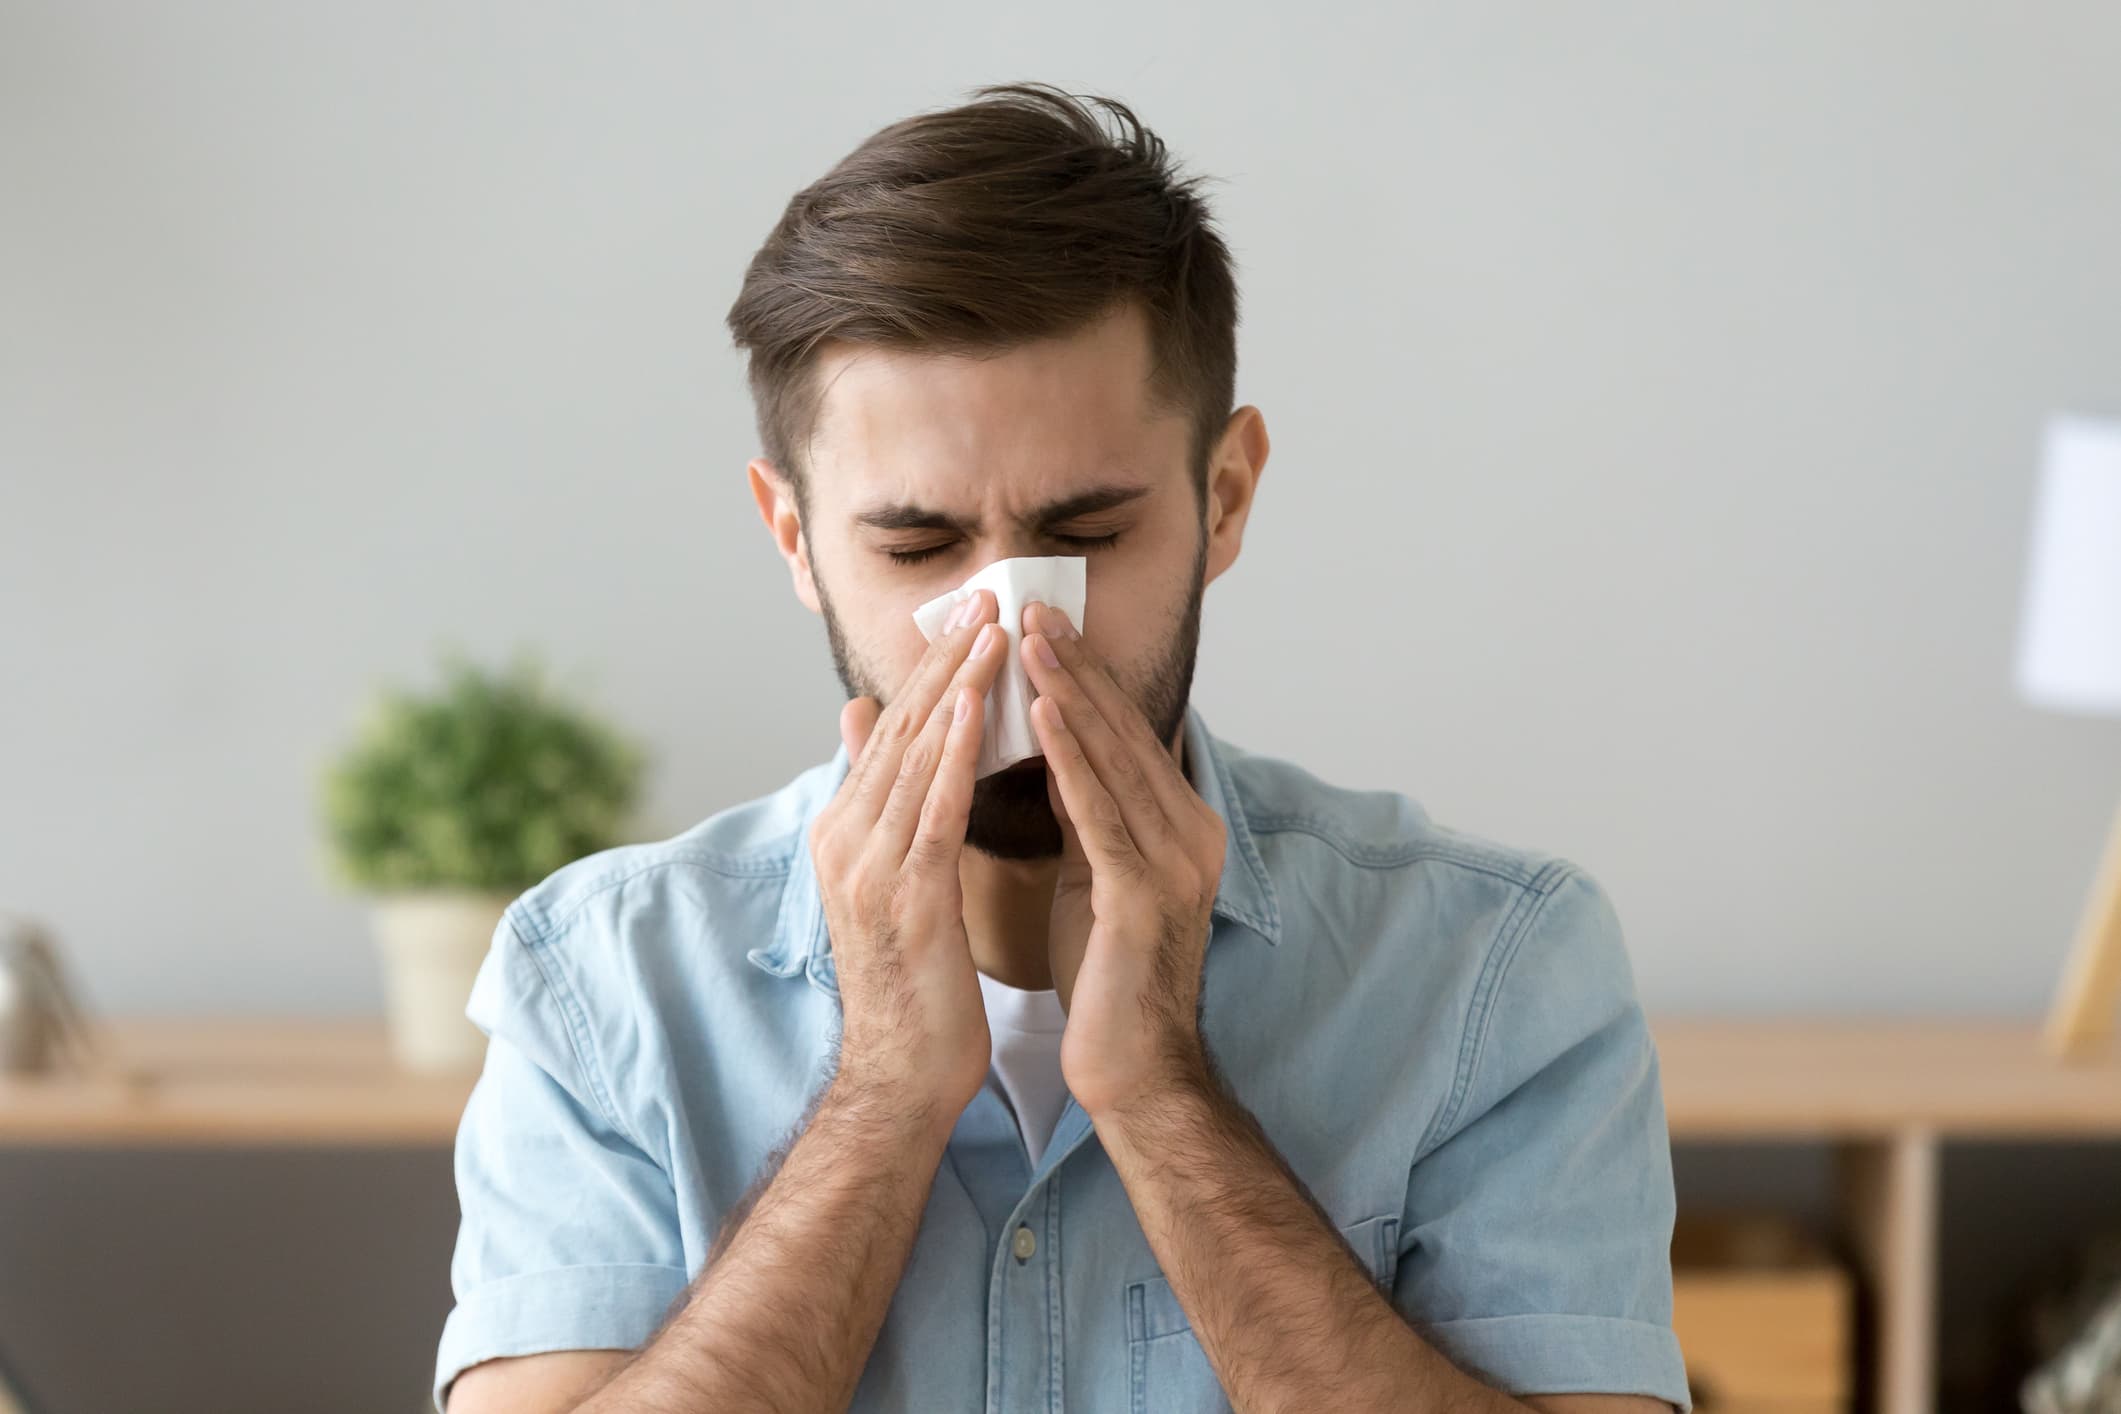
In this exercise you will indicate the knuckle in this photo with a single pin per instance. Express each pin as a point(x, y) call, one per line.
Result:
point(1215, 842)
point(919, 758)
point(825, 848)
point(1135, 781)
point(930, 824)
point(925, 853)
point(924, 837)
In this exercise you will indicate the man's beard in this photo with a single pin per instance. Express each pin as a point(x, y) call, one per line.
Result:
point(1011, 817)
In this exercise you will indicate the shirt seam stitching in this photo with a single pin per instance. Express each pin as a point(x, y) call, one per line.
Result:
point(1480, 1011)
point(1658, 1326)
point(577, 1024)
point(1391, 859)
point(568, 1269)
point(758, 865)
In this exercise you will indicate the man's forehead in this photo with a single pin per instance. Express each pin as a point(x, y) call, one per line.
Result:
point(1058, 411)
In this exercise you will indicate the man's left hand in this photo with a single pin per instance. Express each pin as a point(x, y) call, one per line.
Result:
point(1142, 858)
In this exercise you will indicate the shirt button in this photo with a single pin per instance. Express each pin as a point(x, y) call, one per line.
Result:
point(1025, 1244)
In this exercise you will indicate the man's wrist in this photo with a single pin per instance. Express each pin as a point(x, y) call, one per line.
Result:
point(900, 1105)
point(1182, 1075)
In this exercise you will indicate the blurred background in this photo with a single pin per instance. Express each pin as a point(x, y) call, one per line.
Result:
point(1657, 394)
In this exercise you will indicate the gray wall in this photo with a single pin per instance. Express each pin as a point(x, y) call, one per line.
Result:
point(1655, 392)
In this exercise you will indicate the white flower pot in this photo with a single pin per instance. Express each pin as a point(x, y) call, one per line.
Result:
point(432, 943)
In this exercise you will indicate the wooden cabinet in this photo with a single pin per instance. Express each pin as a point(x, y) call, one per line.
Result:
point(1884, 1095)
point(1764, 1316)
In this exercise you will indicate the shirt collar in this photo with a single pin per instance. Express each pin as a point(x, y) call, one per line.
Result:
point(1244, 895)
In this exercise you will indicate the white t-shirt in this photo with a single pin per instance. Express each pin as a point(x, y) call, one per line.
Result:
point(1027, 1027)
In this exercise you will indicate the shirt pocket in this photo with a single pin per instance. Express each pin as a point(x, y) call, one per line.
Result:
point(1169, 1373)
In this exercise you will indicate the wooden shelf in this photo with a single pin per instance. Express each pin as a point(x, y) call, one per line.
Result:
point(1885, 1094)
point(1777, 1079)
point(235, 1081)
point(249, 1080)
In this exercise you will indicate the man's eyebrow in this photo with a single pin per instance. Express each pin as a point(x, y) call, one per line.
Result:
point(1082, 503)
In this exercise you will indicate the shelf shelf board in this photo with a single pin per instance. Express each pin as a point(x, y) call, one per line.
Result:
point(1858, 1078)
point(330, 1080)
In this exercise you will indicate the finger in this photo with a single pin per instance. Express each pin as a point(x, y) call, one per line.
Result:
point(948, 806)
point(1094, 680)
point(892, 835)
point(1072, 859)
point(901, 722)
point(1119, 768)
point(930, 672)
point(1100, 825)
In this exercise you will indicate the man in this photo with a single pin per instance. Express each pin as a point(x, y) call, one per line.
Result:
point(1334, 1108)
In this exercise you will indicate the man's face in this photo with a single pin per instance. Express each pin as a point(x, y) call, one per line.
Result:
point(924, 468)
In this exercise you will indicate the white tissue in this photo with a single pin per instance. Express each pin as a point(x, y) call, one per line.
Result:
point(1059, 580)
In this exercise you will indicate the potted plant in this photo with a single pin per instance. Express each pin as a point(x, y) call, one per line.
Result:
point(445, 808)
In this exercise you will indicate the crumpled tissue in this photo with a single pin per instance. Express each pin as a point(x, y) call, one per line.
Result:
point(1059, 580)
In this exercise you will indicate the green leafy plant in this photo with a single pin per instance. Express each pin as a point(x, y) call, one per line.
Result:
point(490, 783)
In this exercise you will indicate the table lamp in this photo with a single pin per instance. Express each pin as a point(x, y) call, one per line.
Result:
point(2069, 660)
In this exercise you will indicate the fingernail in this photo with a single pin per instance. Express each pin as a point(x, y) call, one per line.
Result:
point(964, 704)
point(1061, 627)
point(1044, 651)
point(960, 613)
point(987, 634)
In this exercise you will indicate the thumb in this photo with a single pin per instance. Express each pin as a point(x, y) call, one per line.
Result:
point(857, 720)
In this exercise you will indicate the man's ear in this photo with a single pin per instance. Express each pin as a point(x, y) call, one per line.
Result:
point(1239, 460)
point(784, 522)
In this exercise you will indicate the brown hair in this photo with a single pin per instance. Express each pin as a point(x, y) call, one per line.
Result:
point(976, 228)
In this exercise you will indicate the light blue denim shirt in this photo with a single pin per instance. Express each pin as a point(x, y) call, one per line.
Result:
point(1439, 1033)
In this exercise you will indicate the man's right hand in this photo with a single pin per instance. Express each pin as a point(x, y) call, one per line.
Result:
point(886, 846)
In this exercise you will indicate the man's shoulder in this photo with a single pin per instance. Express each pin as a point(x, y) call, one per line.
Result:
point(615, 964)
point(1413, 905)
point(1301, 820)
point(719, 871)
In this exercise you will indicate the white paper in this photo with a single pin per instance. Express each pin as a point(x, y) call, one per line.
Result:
point(1059, 580)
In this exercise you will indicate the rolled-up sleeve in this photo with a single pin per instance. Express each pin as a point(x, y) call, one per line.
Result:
point(569, 1236)
point(1535, 1250)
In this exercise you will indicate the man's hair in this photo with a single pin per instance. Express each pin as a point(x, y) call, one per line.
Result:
point(978, 228)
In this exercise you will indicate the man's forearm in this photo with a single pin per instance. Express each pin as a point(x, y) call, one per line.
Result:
point(1285, 1312)
point(783, 1318)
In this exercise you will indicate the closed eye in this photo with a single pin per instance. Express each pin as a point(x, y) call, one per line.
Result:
point(1087, 542)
